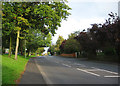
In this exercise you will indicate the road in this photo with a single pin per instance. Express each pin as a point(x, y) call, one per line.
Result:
point(60, 70)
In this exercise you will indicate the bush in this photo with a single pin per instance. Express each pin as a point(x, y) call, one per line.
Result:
point(71, 46)
point(109, 51)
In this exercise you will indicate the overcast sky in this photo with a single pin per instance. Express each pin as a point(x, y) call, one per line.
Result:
point(83, 14)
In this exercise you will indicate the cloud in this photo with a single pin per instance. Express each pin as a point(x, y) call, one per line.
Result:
point(72, 25)
point(84, 14)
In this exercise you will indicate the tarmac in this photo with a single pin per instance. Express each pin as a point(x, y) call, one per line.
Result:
point(32, 75)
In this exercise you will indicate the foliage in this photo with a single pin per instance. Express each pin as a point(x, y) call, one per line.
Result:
point(35, 39)
point(55, 48)
point(104, 37)
point(40, 50)
point(71, 46)
point(62, 46)
point(87, 44)
point(52, 49)
point(42, 16)
point(108, 33)
point(58, 43)
point(73, 35)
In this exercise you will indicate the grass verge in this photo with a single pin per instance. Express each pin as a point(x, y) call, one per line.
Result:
point(12, 69)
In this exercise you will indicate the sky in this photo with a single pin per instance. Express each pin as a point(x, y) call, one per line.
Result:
point(83, 14)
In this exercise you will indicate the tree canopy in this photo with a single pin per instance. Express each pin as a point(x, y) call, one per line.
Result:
point(18, 18)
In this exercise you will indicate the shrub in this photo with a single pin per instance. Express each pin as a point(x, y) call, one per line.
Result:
point(71, 46)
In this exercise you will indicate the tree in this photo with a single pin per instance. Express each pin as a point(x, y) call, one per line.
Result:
point(62, 46)
point(36, 39)
point(73, 35)
point(44, 16)
point(71, 46)
point(107, 34)
point(103, 37)
point(52, 49)
point(40, 50)
point(7, 25)
point(15, 21)
point(58, 43)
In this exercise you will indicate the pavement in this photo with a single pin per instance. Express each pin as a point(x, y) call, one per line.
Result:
point(32, 75)
point(59, 70)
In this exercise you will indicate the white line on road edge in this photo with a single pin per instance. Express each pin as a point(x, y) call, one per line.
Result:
point(111, 76)
point(105, 70)
point(66, 65)
point(88, 72)
point(48, 81)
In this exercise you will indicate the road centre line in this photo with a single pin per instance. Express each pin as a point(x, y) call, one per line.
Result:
point(88, 72)
point(111, 76)
point(66, 65)
point(104, 70)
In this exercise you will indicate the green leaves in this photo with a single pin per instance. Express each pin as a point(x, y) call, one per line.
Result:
point(22, 21)
point(29, 17)
point(17, 28)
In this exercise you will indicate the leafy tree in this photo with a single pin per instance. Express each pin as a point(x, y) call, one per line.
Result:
point(71, 46)
point(40, 50)
point(58, 43)
point(13, 18)
point(7, 25)
point(44, 16)
point(73, 35)
point(36, 39)
point(107, 34)
point(62, 46)
point(103, 37)
point(52, 49)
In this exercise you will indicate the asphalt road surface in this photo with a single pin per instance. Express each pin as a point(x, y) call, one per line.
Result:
point(60, 70)
point(63, 70)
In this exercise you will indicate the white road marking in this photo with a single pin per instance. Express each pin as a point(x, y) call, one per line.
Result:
point(111, 76)
point(80, 65)
point(48, 81)
point(88, 72)
point(91, 69)
point(66, 65)
point(105, 70)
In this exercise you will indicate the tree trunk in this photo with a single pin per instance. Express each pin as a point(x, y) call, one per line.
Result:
point(10, 46)
point(17, 44)
point(28, 53)
point(21, 43)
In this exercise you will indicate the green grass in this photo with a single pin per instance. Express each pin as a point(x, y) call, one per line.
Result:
point(0, 70)
point(12, 69)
